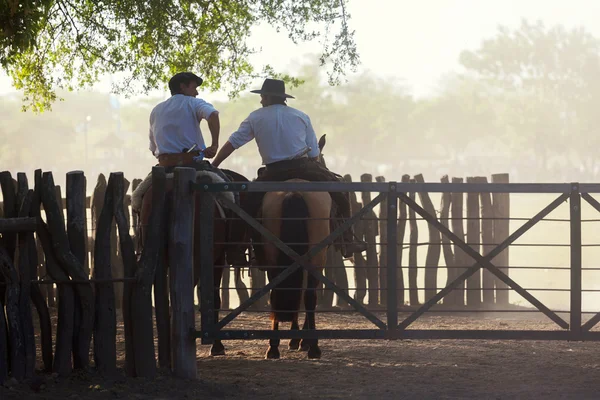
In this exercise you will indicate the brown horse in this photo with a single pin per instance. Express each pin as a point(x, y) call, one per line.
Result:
point(221, 228)
point(300, 220)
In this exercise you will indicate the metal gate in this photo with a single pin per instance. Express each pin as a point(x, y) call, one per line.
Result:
point(390, 327)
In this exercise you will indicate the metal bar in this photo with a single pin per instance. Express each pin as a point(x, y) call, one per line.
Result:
point(370, 334)
point(596, 318)
point(592, 201)
point(340, 292)
point(382, 187)
point(485, 261)
point(575, 214)
point(591, 323)
point(298, 260)
point(589, 188)
point(392, 258)
point(206, 222)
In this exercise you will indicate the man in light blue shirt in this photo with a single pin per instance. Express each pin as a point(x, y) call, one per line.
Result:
point(288, 146)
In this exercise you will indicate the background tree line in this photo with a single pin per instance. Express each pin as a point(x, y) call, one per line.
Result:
point(525, 102)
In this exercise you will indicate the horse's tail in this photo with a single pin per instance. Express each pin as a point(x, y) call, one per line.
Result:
point(286, 303)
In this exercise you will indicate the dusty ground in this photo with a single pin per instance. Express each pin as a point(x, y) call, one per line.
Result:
point(366, 368)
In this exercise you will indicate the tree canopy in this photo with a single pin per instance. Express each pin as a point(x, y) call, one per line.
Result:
point(67, 44)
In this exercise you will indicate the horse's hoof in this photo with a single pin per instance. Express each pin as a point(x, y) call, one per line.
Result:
point(272, 353)
point(216, 350)
point(294, 344)
point(314, 352)
point(304, 346)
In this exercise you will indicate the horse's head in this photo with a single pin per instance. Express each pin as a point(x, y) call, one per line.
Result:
point(322, 142)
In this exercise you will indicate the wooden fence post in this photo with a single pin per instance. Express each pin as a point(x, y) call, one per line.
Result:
point(446, 244)
point(39, 293)
point(412, 254)
point(141, 299)
point(383, 246)
point(25, 242)
point(487, 238)
point(401, 229)
point(433, 249)
point(474, 241)
point(371, 232)
point(77, 234)
point(501, 206)
point(360, 273)
point(181, 245)
point(460, 257)
point(105, 327)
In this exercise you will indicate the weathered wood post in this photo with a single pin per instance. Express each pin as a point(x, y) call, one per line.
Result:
point(181, 251)
point(96, 203)
point(26, 269)
point(413, 290)
point(461, 259)
point(371, 232)
point(360, 273)
point(383, 240)
point(433, 248)
point(402, 218)
point(39, 293)
point(140, 306)
point(76, 232)
point(446, 244)
point(105, 328)
point(64, 328)
point(487, 238)
point(340, 278)
point(474, 241)
point(501, 206)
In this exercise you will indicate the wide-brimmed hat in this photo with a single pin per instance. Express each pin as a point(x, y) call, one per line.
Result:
point(273, 87)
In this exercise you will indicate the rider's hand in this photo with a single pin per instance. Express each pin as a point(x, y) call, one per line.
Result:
point(211, 151)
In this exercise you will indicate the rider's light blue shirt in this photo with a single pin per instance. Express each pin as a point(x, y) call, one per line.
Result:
point(175, 124)
point(281, 133)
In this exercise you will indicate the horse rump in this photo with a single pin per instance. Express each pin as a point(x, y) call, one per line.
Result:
point(286, 297)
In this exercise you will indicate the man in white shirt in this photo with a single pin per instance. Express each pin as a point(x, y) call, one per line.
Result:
point(175, 124)
point(288, 146)
point(176, 139)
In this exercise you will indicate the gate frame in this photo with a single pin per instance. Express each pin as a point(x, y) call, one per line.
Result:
point(211, 329)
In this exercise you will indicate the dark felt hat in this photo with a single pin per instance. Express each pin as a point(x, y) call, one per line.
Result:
point(273, 87)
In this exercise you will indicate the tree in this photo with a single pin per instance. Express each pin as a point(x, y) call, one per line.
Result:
point(548, 81)
point(53, 44)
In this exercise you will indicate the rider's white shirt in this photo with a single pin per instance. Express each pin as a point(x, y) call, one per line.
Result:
point(175, 124)
point(281, 133)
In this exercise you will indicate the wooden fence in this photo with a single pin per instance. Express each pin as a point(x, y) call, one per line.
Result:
point(53, 255)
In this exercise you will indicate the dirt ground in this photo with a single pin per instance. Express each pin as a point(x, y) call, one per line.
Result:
point(364, 369)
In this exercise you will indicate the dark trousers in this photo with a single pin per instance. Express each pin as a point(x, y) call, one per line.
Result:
point(303, 168)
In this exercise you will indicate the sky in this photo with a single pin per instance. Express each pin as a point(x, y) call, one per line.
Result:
point(415, 43)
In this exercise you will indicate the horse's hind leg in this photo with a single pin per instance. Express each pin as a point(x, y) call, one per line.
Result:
point(217, 349)
point(294, 343)
point(310, 303)
point(273, 351)
point(305, 343)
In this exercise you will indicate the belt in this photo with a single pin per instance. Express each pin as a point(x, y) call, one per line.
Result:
point(284, 164)
point(177, 159)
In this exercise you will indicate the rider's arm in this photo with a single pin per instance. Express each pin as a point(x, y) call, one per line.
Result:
point(225, 152)
point(205, 110)
point(152, 145)
point(214, 125)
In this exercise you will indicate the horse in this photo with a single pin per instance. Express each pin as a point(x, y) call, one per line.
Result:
point(220, 233)
point(301, 220)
